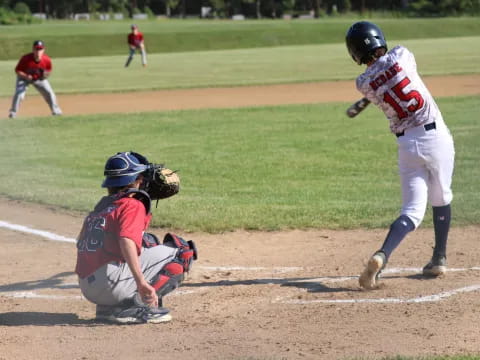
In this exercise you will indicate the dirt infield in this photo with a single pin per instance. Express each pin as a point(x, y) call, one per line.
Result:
point(278, 295)
point(251, 295)
point(306, 93)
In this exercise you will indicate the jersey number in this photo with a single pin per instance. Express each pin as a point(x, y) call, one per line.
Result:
point(93, 236)
point(398, 90)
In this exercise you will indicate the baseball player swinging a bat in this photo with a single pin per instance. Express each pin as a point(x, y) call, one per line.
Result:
point(34, 68)
point(121, 268)
point(425, 146)
point(136, 42)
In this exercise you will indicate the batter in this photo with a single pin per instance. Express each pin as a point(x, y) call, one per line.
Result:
point(425, 146)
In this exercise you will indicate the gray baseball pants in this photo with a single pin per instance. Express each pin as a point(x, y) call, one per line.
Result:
point(43, 87)
point(113, 283)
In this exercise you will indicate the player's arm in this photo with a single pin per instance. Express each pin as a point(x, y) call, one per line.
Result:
point(357, 107)
point(47, 69)
point(129, 253)
point(21, 71)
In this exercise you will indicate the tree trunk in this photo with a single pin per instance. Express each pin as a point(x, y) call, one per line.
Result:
point(317, 4)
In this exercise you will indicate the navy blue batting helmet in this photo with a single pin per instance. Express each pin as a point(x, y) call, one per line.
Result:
point(123, 169)
point(362, 39)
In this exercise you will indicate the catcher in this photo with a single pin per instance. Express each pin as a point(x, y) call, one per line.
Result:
point(34, 68)
point(121, 268)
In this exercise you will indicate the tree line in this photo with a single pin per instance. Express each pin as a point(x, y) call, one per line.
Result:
point(21, 10)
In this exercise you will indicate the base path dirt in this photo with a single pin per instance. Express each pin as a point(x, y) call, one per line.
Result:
point(304, 93)
point(251, 295)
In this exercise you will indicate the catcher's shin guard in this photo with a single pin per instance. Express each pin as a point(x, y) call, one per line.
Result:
point(187, 251)
point(168, 279)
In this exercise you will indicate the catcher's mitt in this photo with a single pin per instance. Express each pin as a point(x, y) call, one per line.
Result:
point(162, 183)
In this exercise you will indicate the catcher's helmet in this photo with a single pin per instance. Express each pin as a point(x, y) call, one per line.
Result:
point(123, 169)
point(362, 39)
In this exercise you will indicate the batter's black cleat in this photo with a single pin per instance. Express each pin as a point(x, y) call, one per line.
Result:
point(436, 267)
point(132, 315)
point(369, 278)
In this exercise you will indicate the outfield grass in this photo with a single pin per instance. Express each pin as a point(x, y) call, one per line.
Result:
point(259, 168)
point(74, 39)
point(286, 64)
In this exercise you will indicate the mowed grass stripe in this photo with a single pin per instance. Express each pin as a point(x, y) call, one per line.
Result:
point(277, 65)
point(257, 168)
point(102, 38)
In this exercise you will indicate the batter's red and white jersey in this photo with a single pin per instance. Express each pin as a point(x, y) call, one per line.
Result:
point(28, 65)
point(98, 242)
point(135, 39)
point(393, 84)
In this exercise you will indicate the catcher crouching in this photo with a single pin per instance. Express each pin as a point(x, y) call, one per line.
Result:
point(123, 269)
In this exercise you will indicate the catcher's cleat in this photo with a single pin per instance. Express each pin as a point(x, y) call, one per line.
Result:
point(436, 267)
point(132, 315)
point(368, 279)
point(12, 115)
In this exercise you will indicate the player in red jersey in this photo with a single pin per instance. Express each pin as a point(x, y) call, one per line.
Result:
point(34, 68)
point(121, 268)
point(136, 42)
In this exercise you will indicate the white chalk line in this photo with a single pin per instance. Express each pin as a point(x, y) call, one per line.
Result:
point(419, 299)
point(35, 295)
point(45, 234)
point(429, 298)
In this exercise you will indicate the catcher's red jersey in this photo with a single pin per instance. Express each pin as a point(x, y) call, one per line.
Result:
point(28, 65)
point(98, 243)
point(135, 39)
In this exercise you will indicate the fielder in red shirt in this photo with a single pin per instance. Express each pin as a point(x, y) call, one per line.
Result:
point(121, 268)
point(136, 42)
point(34, 68)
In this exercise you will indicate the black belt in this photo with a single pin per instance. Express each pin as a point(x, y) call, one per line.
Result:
point(427, 127)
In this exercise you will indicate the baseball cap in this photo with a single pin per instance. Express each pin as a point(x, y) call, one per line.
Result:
point(122, 169)
point(134, 26)
point(38, 45)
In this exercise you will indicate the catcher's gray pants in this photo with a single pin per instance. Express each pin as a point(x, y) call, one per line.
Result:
point(132, 54)
point(43, 87)
point(113, 283)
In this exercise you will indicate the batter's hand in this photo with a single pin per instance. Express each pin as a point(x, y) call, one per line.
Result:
point(358, 107)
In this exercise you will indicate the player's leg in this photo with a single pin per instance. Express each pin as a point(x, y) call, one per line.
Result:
point(113, 288)
point(45, 89)
point(413, 177)
point(144, 55)
point(20, 90)
point(442, 153)
point(130, 56)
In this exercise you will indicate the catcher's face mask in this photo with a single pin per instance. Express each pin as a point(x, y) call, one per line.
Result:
point(122, 169)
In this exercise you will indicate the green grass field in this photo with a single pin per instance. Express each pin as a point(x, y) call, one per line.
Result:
point(274, 65)
point(260, 168)
point(74, 39)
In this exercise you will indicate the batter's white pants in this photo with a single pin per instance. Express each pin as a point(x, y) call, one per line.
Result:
point(113, 283)
point(425, 161)
point(43, 87)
